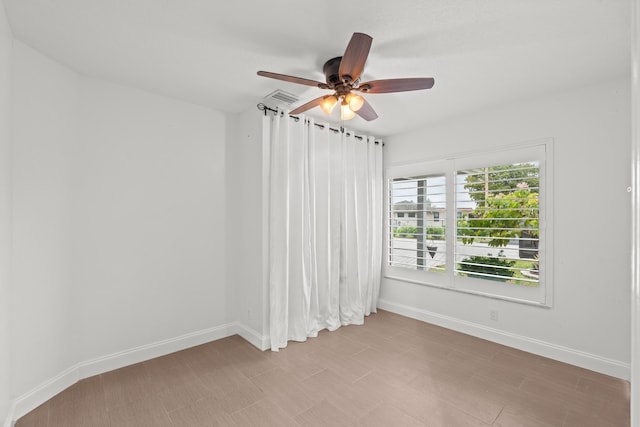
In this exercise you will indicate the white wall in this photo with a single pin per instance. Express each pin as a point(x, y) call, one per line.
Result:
point(245, 213)
point(45, 113)
point(150, 223)
point(5, 230)
point(118, 221)
point(590, 316)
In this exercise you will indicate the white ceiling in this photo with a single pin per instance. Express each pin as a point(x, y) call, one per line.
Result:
point(482, 53)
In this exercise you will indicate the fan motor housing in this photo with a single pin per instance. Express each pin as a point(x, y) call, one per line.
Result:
point(331, 70)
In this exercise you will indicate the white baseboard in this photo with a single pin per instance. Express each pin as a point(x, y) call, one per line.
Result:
point(41, 393)
point(9, 420)
point(258, 340)
point(149, 351)
point(46, 390)
point(575, 357)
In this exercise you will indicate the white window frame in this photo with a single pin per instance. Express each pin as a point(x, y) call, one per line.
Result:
point(542, 151)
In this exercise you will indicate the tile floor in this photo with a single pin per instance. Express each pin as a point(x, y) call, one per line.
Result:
point(393, 371)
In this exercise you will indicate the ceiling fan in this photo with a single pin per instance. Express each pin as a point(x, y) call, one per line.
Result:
point(343, 78)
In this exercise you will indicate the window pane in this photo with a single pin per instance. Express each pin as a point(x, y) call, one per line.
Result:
point(416, 230)
point(497, 230)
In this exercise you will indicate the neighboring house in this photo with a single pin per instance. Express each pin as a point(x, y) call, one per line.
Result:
point(407, 213)
point(404, 214)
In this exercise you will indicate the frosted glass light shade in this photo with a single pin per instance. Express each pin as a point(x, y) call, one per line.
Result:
point(355, 101)
point(345, 112)
point(328, 103)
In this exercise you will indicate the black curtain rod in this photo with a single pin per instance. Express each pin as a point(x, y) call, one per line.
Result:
point(265, 108)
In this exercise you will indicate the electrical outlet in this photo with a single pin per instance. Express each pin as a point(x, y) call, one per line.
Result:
point(493, 314)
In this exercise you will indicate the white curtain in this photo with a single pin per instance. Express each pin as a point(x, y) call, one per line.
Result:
point(325, 227)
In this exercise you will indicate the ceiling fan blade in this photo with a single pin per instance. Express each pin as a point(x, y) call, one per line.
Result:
point(309, 105)
point(367, 112)
point(292, 79)
point(396, 85)
point(354, 57)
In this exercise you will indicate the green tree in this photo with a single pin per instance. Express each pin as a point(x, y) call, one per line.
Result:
point(502, 217)
point(491, 180)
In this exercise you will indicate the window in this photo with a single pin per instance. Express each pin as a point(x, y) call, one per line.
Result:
point(417, 246)
point(480, 224)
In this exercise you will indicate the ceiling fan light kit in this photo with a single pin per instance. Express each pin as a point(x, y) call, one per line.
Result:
point(355, 101)
point(328, 103)
point(346, 113)
point(342, 75)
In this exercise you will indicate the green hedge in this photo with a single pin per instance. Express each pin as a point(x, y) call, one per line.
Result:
point(489, 265)
point(411, 232)
point(408, 231)
point(435, 233)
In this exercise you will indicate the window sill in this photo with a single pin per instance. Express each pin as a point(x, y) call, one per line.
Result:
point(469, 292)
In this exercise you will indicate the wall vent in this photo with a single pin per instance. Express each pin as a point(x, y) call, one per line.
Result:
point(281, 97)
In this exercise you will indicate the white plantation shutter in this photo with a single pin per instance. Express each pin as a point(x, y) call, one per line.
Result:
point(474, 223)
point(416, 238)
point(499, 238)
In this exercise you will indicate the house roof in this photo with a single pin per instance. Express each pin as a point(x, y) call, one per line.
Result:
point(405, 205)
point(408, 205)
